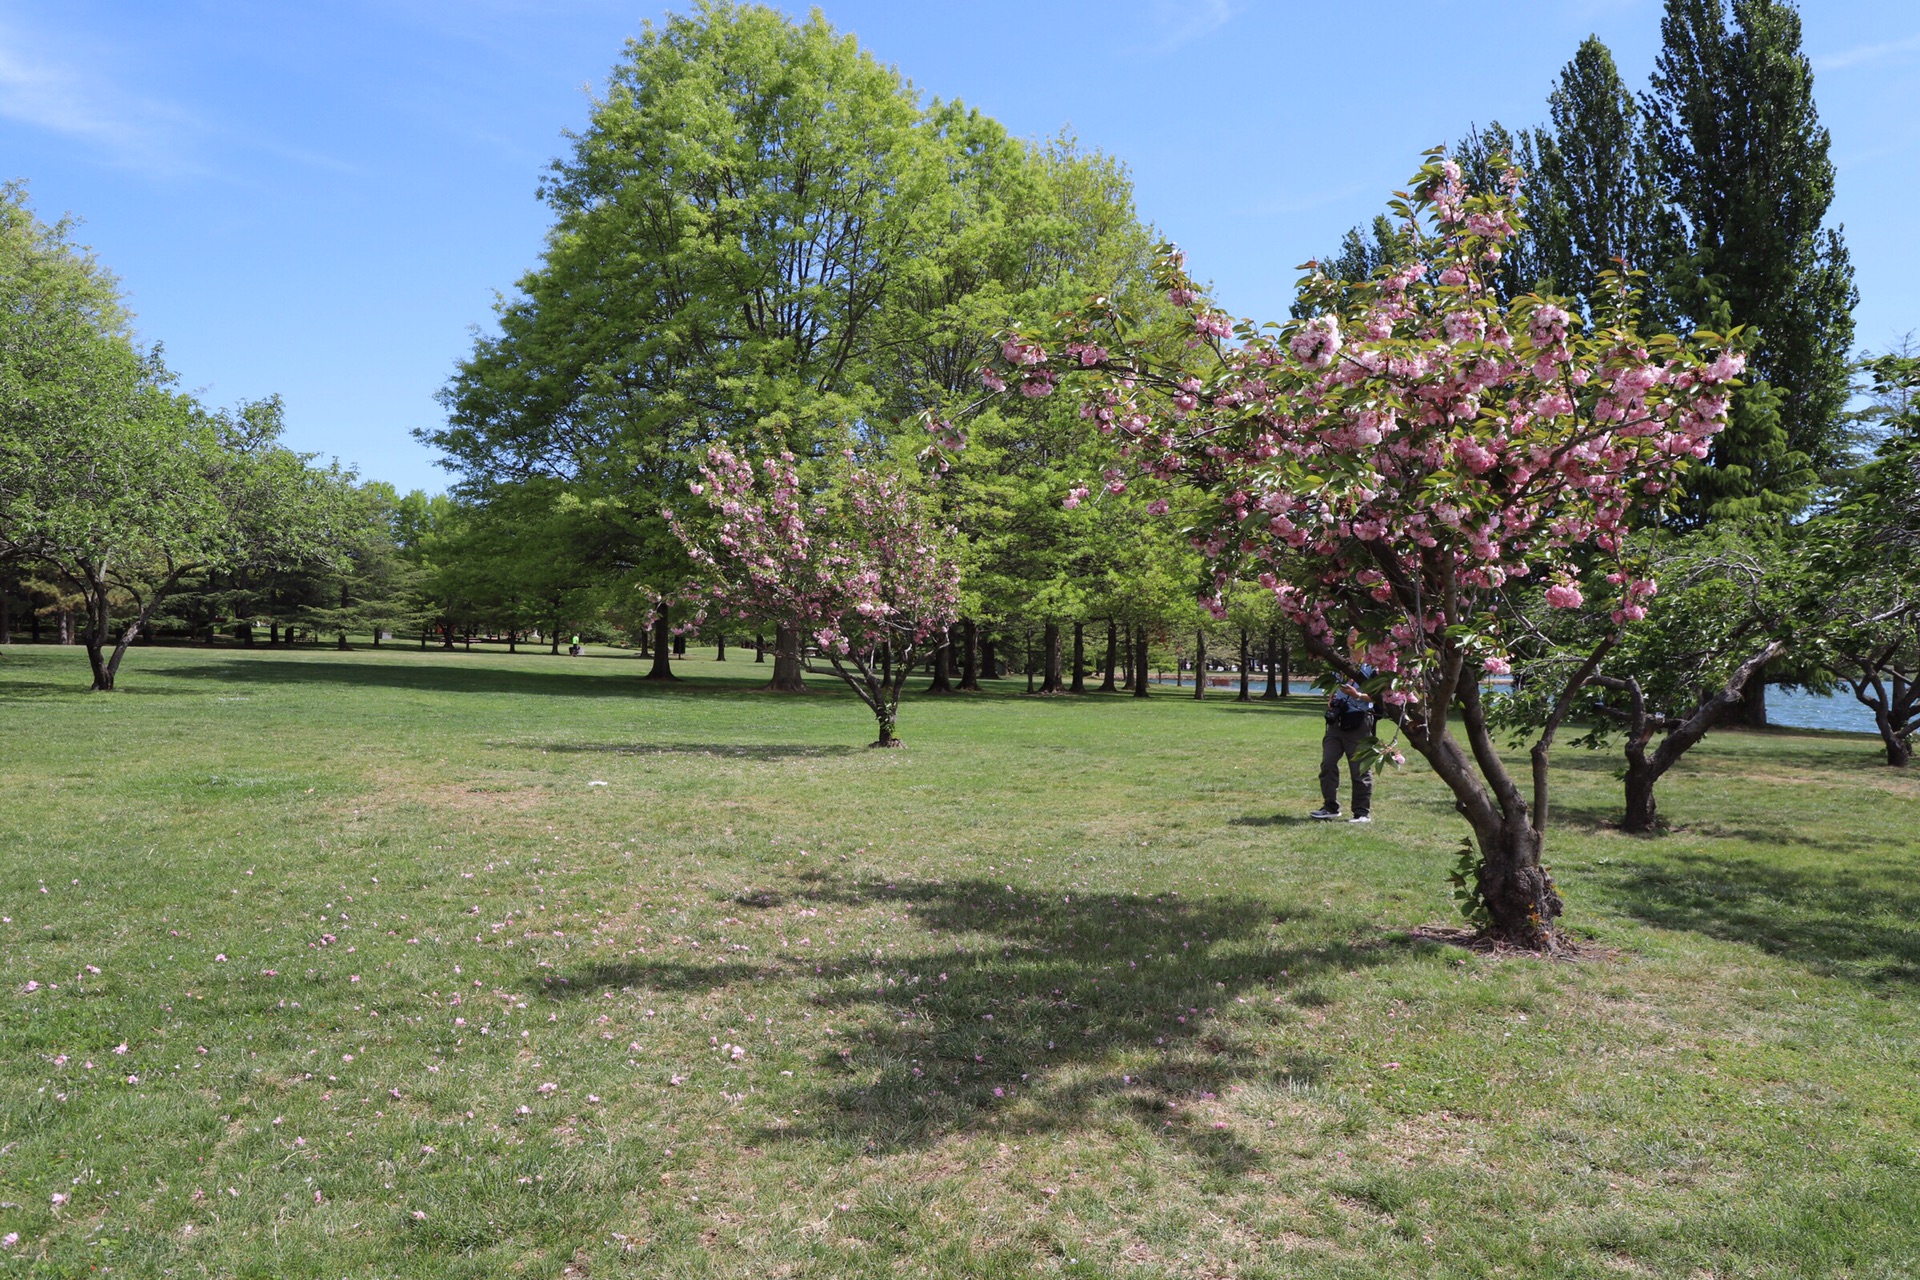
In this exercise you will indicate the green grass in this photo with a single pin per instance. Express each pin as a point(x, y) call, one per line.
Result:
point(1067, 987)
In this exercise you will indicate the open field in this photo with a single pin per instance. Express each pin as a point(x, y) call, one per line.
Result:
point(346, 967)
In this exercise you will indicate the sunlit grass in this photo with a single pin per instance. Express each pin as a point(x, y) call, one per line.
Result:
point(1068, 986)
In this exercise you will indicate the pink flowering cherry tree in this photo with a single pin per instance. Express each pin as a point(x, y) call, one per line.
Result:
point(852, 563)
point(1398, 467)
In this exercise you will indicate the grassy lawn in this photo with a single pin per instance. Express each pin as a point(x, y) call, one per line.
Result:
point(347, 965)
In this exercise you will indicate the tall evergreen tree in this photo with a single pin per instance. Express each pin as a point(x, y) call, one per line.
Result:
point(1591, 206)
point(1740, 158)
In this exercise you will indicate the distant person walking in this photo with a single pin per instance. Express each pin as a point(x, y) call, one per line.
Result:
point(573, 650)
point(1349, 733)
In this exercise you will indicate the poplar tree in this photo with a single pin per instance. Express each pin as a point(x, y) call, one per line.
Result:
point(1739, 156)
point(1592, 208)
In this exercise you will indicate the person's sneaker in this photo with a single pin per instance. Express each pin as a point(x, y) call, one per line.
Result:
point(1324, 814)
point(1360, 817)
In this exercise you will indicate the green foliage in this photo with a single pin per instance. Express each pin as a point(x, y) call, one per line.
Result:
point(111, 483)
point(1465, 878)
point(1740, 158)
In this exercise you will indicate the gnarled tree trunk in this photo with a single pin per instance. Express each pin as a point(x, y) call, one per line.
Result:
point(1645, 768)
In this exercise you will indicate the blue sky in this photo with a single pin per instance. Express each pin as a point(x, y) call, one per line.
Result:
point(321, 198)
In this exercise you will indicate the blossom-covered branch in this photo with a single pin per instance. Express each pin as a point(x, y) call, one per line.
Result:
point(1394, 466)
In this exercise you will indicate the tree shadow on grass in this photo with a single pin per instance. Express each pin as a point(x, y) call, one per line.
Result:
point(1857, 919)
point(452, 676)
point(1042, 1012)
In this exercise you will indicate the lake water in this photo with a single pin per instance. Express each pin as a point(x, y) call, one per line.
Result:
point(1792, 708)
point(1799, 709)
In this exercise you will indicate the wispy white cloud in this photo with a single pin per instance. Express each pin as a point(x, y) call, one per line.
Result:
point(39, 91)
point(1861, 55)
point(1179, 22)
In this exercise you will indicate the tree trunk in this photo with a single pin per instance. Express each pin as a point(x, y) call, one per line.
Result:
point(989, 659)
point(1079, 682)
point(1026, 635)
point(1752, 712)
point(6, 621)
point(1642, 809)
point(1644, 770)
point(789, 671)
point(1107, 667)
point(1273, 675)
point(942, 664)
point(1050, 656)
point(662, 668)
point(273, 633)
point(720, 654)
point(1199, 665)
point(1522, 903)
point(343, 642)
point(680, 645)
point(969, 657)
point(888, 718)
point(759, 646)
point(1246, 659)
point(1140, 646)
point(1286, 669)
point(1126, 656)
point(66, 626)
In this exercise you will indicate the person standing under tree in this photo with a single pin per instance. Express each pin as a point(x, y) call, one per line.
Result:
point(1349, 734)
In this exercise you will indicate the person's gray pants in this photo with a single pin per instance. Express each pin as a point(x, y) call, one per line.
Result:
point(1346, 742)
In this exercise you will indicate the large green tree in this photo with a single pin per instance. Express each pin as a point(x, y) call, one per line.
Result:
point(728, 228)
point(112, 484)
point(1740, 158)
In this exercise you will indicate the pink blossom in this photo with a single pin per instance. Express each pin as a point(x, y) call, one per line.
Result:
point(1564, 595)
